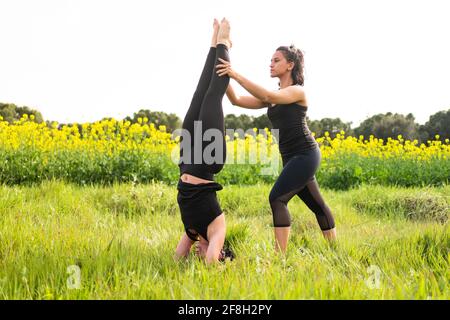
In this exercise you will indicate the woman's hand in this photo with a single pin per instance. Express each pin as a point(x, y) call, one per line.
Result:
point(225, 69)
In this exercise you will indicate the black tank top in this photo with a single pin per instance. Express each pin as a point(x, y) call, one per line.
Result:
point(294, 134)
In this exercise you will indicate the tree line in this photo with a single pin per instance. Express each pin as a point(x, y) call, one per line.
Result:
point(380, 125)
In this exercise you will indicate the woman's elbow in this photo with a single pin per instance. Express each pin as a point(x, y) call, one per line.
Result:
point(234, 102)
point(267, 99)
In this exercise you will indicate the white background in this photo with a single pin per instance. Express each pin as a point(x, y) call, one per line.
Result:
point(82, 60)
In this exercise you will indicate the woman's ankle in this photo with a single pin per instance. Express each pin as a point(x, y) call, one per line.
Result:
point(330, 234)
point(226, 43)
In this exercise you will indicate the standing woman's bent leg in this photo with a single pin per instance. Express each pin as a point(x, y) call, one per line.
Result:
point(292, 179)
point(281, 216)
point(312, 197)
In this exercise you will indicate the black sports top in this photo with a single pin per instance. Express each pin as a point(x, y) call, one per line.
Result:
point(294, 134)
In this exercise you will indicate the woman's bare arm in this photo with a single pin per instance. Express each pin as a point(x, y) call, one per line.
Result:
point(247, 102)
point(184, 247)
point(287, 95)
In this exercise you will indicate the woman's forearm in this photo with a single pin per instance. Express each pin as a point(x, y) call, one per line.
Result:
point(255, 90)
point(231, 95)
point(260, 93)
point(247, 102)
point(183, 247)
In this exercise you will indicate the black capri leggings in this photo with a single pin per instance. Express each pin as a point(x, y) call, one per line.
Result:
point(206, 106)
point(297, 178)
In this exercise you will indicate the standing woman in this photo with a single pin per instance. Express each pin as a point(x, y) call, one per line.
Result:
point(201, 214)
point(299, 151)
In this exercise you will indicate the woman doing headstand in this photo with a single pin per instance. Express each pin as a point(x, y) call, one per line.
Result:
point(201, 214)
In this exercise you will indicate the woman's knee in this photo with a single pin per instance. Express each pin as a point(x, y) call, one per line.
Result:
point(273, 196)
point(280, 212)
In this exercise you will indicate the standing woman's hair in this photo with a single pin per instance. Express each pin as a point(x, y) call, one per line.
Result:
point(292, 54)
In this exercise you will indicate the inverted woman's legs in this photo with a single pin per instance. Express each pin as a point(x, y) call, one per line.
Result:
point(203, 84)
point(212, 118)
point(199, 94)
point(204, 121)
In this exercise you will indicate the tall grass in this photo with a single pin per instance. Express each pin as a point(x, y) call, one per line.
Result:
point(121, 239)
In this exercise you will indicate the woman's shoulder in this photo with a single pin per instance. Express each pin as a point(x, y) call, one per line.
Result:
point(304, 102)
point(301, 103)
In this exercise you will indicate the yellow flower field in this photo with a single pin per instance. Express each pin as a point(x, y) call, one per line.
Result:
point(112, 150)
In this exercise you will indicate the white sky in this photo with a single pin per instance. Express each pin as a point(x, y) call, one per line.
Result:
point(82, 60)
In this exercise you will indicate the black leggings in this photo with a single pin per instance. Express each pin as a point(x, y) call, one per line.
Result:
point(206, 106)
point(297, 178)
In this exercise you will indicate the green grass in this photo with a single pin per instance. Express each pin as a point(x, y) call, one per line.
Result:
point(393, 244)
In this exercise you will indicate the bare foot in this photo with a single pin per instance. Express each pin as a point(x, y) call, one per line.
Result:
point(330, 235)
point(215, 32)
point(223, 36)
